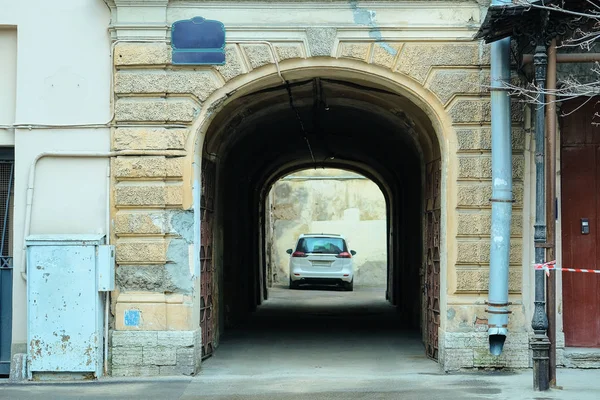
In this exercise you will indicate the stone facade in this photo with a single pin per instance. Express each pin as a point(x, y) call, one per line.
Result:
point(153, 201)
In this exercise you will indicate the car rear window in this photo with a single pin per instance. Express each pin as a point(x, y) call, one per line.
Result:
point(324, 245)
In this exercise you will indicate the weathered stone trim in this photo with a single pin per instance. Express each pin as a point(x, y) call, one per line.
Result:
point(149, 138)
point(128, 54)
point(148, 194)
point(149, 353)
point(470, 350)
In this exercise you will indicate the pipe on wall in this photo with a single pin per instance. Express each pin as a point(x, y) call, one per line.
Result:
point(80, 154)
point(551, 145)
point(502, 196)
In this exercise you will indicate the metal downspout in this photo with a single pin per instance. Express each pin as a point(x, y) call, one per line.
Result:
point(551, 201)
point(502, 196)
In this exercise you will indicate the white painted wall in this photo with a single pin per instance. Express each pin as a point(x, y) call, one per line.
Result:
point(63, 69)
point(8, 82)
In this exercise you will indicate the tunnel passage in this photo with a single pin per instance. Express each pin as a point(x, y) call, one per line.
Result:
point(317, 123)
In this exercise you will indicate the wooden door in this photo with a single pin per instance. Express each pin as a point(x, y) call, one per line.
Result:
point(580, 199)
point(208, 316)
point(432, 261)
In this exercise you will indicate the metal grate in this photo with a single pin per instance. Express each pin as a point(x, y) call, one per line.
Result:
point(207, 306)
point(432, 283)
point(6, 264)
point(6, 187)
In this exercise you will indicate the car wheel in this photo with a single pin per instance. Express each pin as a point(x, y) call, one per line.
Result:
point(293, 285)
point(349, 286)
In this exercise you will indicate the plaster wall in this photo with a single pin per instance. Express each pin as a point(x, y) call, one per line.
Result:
point(55, 78)
point(330, 201)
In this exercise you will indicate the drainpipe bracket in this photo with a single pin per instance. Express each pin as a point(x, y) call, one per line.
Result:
point(487, 310)
point(502, 200)
point(500, 89)
point(498, 304)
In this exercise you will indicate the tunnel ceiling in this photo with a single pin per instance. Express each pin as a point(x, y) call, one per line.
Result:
point(327, 123)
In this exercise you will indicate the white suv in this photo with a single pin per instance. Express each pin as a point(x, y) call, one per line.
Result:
point(321, 258)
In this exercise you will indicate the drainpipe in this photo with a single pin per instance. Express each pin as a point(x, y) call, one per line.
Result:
point(540, 344)
point(501, 195)
point(551, 144)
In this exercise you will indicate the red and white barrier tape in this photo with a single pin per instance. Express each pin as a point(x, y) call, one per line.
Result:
point(551, 265)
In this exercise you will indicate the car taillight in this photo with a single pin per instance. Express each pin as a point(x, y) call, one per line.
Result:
point(299, 254)
point(344, 254)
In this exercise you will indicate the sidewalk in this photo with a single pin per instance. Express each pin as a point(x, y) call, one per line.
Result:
point(576, 384)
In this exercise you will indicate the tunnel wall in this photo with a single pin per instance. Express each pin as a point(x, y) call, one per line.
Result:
point(154, 210)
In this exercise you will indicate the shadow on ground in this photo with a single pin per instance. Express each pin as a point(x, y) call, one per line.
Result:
point(321, 330)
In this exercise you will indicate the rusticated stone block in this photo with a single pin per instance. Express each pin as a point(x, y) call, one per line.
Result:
point(258, 54)
point(155, 110)
point(131, 355)
point(478, 252)
point(513, 359)
point(321, 41)
point(358, 51)
point(149, 139)
point(233, 66)
point(199, 83)
point(152, 352)
point(455, 359)
point(177, 338)
point(480, 167)
point(174, 195)
point(133, 339)
point(481, 139)
point(447, 83)
point(142, 54)
point(147, 278)
point(148, 195)
point(160, 355)
point(144, 223)
point(148, 167)
point(174, 167)
point(417, 59)
point(485, 53)
point(480, 223)
point(384, 54)
point(288, 51)
point(479, 195)
point(473, 111)
point(140, 167)
point(477, 280)
point(146, 252)
point(140, 195)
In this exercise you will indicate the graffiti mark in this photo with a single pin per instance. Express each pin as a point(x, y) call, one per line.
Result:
point(132, 317)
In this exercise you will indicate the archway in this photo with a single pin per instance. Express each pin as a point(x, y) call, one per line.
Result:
point(320, 117)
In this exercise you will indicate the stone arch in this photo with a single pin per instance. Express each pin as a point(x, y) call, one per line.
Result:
point(436, 138)
point(176, 105)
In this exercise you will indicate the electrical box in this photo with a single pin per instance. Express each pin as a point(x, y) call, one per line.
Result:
point(65, 277)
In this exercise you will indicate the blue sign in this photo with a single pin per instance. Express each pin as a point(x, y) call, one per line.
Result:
point(132, 318)
point(198, 41)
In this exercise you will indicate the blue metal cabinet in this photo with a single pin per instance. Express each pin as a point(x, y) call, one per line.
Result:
point(65, 307)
